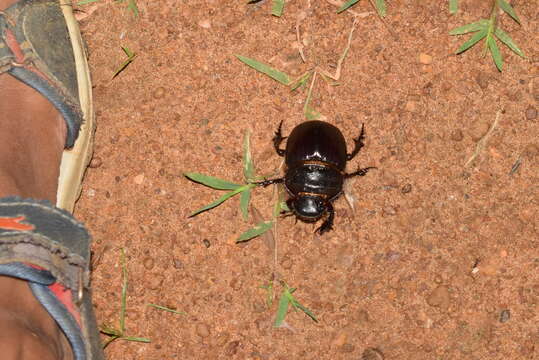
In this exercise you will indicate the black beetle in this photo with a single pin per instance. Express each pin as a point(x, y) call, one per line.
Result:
point(315, 158)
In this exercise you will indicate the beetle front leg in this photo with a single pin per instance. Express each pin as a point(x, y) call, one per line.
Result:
point(269, 182)
point(360, 172)
point(358, 143)
point(278, 139)
point(327, 225)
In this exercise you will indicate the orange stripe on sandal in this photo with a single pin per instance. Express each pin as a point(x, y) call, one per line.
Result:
point(14, 223)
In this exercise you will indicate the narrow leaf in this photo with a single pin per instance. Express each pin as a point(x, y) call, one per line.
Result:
point(453, 6)
point(472, 41)
point(301, 81)
point(137, 339)
point(210, 181)
point(282, 309)
point(255, 231)
point(245, 197)
point(305, 310)
point(248, 167)
point(506, 39)
point(219, 201)
point(508, 9)
point(265, 69)
point(381, 7)
point(346, 5)
point(164, 308)
point(130, 57)
point(277, 8)
point(476, 26)
point(496, 56)
point(84, 2)
point(124, 292)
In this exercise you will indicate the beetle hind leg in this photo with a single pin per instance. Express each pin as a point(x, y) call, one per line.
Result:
point(278, 139)
point(358, 143)
point(269, 182)
point(327, 225)
point(360, 172)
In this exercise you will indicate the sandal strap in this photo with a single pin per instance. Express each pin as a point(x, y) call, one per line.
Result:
point(36, 49)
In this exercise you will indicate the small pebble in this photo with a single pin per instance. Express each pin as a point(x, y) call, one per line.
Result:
point(439, 297)
point(505, 315)
point(389, 211)
point(406, 188)
point(531, 113)
point(139, 179)
point(372, 354)
point(202, 330)
point(207, 243)
point(177, 264)
point(425, 59)
point(235, 284)
point(478, 129)
point(205, 24)
point(158, 93)
point(457, 135)
point(95, 162)
point(148, 263)
point(90, 192)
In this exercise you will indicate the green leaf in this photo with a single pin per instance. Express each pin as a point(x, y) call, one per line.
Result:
point(508, 9)
point(301, 81)
point(222, 199)
point(124, 291)
point(277, 8)
point(284, 301)
point(255, 231)
point(167, 309)
point(248, 167)
point(245, 197)
point(309, 313)
point(453, 6)
point(137, 339)
point(476, 26)
point(506, 39)
point(496, 56)
point(84, 2)
point(210, 181)
point(130, 57)
point(265, 69)
point(381, 7)
point(346, 5)
point(473, 40)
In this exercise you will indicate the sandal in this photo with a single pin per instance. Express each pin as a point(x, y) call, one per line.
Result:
point(35, 41)
point(40, 243)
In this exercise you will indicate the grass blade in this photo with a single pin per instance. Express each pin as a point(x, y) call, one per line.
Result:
point(308, 312)
point(506, 39)
point(277, 8)
point(381, 7)
point(496, 56)
point(248, 167)
point(84, 2)
point(453, 6)
point(164, 308)
point(472, 41)
point(134, 338)
point(508, 9)
point(222, 199)
point(265, 69)
point(311, 114)
point(347, 5)
point(124, 291)
point(255, 231)
point(210, 181)
point(476, 26)
point(284, 301)
point(130, 57)
point(301, 81)
point(245, 197)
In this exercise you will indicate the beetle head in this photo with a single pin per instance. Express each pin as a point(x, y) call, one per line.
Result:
point(308, 208)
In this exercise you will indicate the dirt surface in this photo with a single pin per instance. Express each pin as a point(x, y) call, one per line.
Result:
point(438, 260)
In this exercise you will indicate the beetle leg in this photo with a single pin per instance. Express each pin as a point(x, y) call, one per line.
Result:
point(253, 1)
point(360, 172)
point(358, 143)
point(278, 139)
point(327, 225)
point(269, 182)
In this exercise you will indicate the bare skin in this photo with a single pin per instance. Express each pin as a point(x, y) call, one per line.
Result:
point(32, 138)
